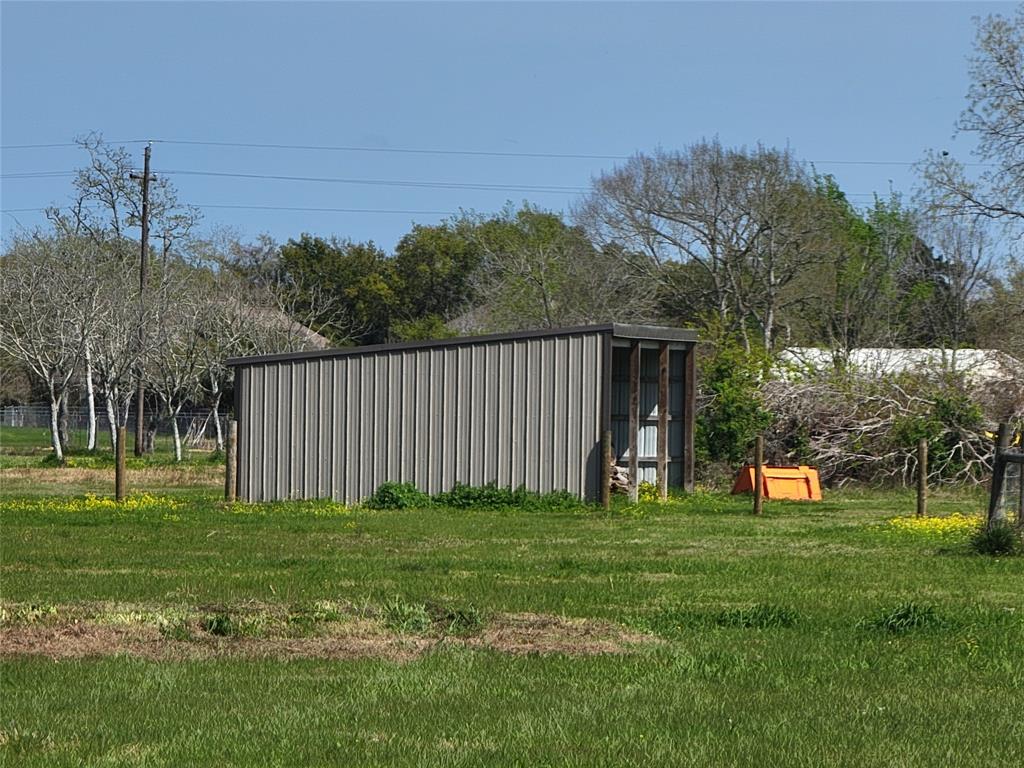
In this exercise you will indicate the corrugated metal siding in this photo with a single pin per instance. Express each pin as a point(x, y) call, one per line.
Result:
point(516, 412)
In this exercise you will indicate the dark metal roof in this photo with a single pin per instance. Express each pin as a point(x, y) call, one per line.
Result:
point(618, 330)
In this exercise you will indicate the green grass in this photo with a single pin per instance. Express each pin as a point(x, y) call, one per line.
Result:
point(36, 441)
point(814, 636)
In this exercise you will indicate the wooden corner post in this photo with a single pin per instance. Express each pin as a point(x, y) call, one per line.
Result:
point(996, 513)
point(663, 407)
point(120, 473)
point(231, 462)
point(689, 416)
point(758, 474)
point(634, 421)
point(607, 459)
point(922, 477)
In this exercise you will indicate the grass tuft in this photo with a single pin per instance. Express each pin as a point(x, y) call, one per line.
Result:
point(906, 617)
point(997, 540)
point(406, 618)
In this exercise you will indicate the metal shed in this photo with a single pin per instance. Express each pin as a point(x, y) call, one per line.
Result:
point(518, 409)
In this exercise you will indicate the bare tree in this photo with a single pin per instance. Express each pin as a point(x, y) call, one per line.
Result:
point(739, 216)
point(995, 117)
point(174, 365)
point(113, 344)
point(537, 271)
point(47, 314)
point(964, 262)
point(107, 202)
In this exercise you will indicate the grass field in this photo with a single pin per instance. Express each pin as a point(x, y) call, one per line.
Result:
point(180, 631)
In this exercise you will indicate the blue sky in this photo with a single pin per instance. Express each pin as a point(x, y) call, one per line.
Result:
point(877, 82)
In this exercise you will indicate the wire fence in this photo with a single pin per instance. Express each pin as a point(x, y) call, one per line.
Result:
point(27, 427)
point(1011, 500)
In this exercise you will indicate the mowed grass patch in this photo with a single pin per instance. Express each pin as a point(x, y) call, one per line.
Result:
point(818, 634)
point(770, 700)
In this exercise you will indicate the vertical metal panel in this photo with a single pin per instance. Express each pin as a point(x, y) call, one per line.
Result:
point(513, 412)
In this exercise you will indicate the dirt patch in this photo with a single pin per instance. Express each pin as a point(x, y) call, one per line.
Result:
point(85, 640)
point(516, 634)
point(526, 633)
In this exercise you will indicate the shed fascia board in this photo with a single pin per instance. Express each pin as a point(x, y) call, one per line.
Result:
point(614, 329)
point(653, 333)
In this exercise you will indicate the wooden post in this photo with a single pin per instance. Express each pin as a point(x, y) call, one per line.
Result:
point(663, 421)
point(120, 475)
point(922, 477)
point(1020, 488)
point(634, 422)
point(996, 513)
point(606, 468)
point(231, 462)
point(758, 475)
point(689, 418)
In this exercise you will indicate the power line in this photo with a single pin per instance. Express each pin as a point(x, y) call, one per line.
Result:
point(330, 210)
point(36, 175)
point(280, 208)
point(425, 151)
point(396, 150)
point(386, 182)
point(66, 144)
point(415, 184)
point(484, 186)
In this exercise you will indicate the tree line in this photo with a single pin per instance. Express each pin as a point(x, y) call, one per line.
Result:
point(749, 244)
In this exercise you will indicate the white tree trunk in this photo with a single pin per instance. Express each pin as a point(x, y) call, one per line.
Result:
point(177, 434)
point(90, 398)
point(216, 422)
point(108, 399)
point(58, 449)
point(63, 421)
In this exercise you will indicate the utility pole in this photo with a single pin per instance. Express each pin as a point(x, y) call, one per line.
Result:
point(140, 393)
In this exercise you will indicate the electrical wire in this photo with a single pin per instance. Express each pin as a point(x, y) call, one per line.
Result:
point(423, 151)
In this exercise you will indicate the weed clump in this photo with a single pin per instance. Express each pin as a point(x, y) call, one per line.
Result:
point(906, 617)
point(491, 496)
point(176, 628)
point(997, 540)
point(406, 618)
point(397, 496)
point(462, 496)
point(459, 619)
point(223, 624)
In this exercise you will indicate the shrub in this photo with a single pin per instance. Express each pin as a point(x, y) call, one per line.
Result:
point(732, 411)
point(397, 496)
point(997, 539)
point(491, 496)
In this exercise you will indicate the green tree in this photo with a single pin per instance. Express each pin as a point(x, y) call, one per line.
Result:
point(357, 276)
point(433, 270)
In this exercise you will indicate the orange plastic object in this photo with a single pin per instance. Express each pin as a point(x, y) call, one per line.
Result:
point(799, 483)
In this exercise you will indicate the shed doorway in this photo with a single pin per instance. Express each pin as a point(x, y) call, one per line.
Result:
point(648, 413)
